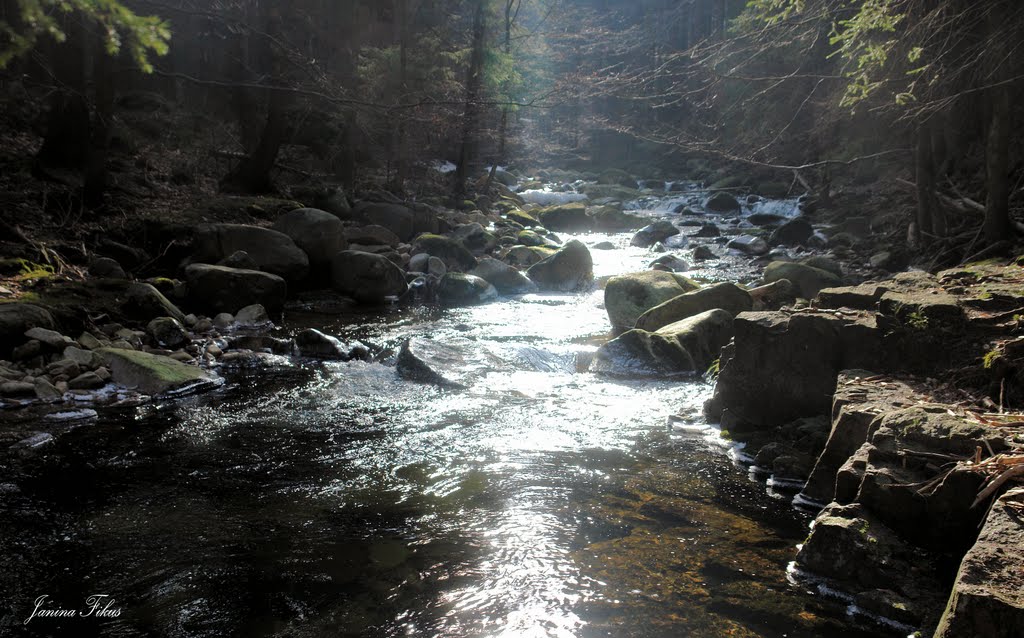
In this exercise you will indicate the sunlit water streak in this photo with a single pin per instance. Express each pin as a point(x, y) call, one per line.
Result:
point(337, 499)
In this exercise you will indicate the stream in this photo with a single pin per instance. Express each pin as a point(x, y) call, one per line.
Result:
point(310, 498)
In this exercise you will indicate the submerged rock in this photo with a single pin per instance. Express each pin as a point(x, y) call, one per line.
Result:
point(454, 363)
point(315, 344)
point(506, 279)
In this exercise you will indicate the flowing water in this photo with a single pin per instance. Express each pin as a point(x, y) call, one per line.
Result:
point(335, 499)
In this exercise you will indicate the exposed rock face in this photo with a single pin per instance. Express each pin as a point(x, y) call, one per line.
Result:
point(726, 296)
point(275, 252)
point(506, 279)
point(219, 289)
point(318, 233)
point(808, 279)
point(568, 270)
point(366, 277)
point(627, 297)
point(988, 596)
point(569, 218)
point(458, 289)
point(151, 374)
point(685, 347)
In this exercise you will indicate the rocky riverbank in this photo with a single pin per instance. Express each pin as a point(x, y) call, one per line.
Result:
point(903, 456)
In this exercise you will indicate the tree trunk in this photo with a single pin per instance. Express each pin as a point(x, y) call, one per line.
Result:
point(474, 82)
point(68, 123)
point(95, 183)
point(997, 154)
point(252, 174)
point(931, 220)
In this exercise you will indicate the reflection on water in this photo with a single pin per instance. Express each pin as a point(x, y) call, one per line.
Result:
point(336, 499)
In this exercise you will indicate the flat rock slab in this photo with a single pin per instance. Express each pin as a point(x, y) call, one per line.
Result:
point(988, 596)
point(153, 374)
point(452, 363)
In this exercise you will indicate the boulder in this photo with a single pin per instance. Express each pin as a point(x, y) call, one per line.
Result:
point(570, 218)
point(144, 302)
point(725, 296)
point(152, 374)
point(106, 268)
point(522, 218)
point(703, 253)
point(654, 233)
point(765, 219)
point(823, 262)
point(570, 269)
point(506, 279)
point(253, 316)
point(167, 332)
point(708, 231)
point(367, 277)
point(670, 263)
point(458, 289)
point(795, 232)
point(318, 233)
point(626, 297)
point(988, 594)
point(397, 218)
point(275, 252)
point(219, 289)
point(239, 259)
point(84, 358)
point(808, 279)
point(721, 202)
point(526, 256)
point(16, 318)
point(451, 252)
point(372, 235)
point(50, 339)
point(617, 177)
point(863, 297)
point(475, 238)
point(87, 381)
point(612, 219)
point(315, 344)
point(748, 244)
point(686, 347)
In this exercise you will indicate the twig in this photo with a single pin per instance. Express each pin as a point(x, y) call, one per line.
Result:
point(993, 487)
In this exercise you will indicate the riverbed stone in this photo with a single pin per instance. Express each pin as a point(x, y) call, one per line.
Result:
point(863, 297)
point(86, 381)
point(46, 391)
point(274, 251)
point(106, 268)
point(459, 289)
point(794, 232)
point(239, 259)
point(253, 316)
point(475, 238)
point(683, 348)
point(16, 318)
point(151, 374)
point(570, 269)
point(654, 233)
point(627, 297)
point(219, 289)
point(318, 233)
point(506, 279)
point(749, 245)
point(721, 202)
point(452, 363)
point(367, 277)
point(50, 339)
point(372, 235)
point(316, 344)
point(726, 296)
point(167, 332)
point(144, 302)
point(28, 350)
point(84, 358)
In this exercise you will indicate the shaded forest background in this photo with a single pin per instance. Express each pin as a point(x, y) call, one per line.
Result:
point(116, 110)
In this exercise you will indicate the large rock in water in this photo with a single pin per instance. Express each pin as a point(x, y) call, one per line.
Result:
point(652, 234)
point(726, 296)
point(16, 318)
point(458, 289)
point(626, 297)
point(686, 347)
point(568, 270)
point(809, 280)
point(721, 202)
point(152, 374)
point(367, 277)
point(506, 279)
point(568, 218)
point(988, 595)
point(144, 302)
point(318, 233)
point(453, 363)
point(220, 289)
point(275, 252)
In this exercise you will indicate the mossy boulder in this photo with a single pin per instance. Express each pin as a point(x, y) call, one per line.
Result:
point(526, 256)
point(725, 296)
point(151, 374)
point(627, 297)
point(570, 218)
point(522, 218)
point(451, 252)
